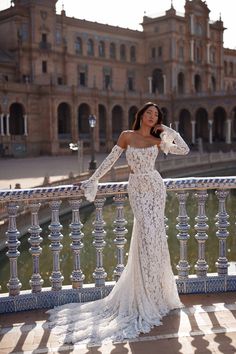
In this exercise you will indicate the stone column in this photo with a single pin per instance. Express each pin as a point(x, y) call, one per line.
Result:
point(193, 122)
point(7, 124)
point(177, 125)
point(150, 84)
point(210, 122)
point(164, 84)
point(228, 131)
point(1, 124)
point(25, 125)
point(208, 53)
point(192, 50)
point(208, 29)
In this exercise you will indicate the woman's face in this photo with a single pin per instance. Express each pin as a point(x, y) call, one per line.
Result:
point(150, 116)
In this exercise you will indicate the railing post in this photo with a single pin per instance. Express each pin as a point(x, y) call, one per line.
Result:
point(99, 243)
point(36, 280)
point(120, 232)
point(183, 236)
point(13, 243)
point(55, 237)
point(222, 233)
point(201, 236)
point(77, 276)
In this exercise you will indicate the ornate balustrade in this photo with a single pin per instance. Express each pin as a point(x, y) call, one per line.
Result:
point(39, 297)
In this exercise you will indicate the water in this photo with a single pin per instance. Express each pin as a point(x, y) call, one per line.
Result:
point(88, 255)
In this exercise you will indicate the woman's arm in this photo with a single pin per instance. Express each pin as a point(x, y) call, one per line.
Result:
point(90, 186)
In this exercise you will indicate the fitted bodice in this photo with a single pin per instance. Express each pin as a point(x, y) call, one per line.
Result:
point(141, 160)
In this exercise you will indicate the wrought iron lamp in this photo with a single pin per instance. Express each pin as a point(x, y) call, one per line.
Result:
point(92, 124)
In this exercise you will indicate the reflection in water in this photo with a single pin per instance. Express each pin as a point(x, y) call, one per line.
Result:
point(88, 256)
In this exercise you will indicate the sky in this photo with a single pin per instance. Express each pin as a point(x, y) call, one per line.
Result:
point(129, 13)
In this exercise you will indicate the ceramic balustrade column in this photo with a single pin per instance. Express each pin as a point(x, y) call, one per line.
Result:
point(55, 237)
point(13, 243)
point(77, 276)
point(36, 280)
point(201, 236)
point(183, 236)
point(99, 243)
point(222, 233)
point(120, 232)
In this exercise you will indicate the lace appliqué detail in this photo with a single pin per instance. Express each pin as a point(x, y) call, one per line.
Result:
point(90, 186)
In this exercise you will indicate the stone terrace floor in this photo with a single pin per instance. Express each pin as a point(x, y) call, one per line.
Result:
point(207, 324)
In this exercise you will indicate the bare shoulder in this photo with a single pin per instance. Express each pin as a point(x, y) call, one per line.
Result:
point(124, 137)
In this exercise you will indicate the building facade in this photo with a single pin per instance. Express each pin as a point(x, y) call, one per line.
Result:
point(55, 71)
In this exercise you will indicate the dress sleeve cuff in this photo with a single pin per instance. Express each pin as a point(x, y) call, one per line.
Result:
point(90, 188)
point(167, 137)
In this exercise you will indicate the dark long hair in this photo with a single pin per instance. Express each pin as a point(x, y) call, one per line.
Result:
point(139, 115)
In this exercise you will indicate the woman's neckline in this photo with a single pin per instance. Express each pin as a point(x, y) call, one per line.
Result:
point(141, 148)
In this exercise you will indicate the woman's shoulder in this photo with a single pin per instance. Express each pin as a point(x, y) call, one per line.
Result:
point(124, 138)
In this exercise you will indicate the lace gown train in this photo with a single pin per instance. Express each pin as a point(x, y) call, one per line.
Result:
point(146, 290)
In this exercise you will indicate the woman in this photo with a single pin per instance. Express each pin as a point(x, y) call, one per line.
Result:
point(146, 290)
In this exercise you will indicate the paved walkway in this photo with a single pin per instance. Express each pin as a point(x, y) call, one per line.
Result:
point(30, 172)
point(206, 325)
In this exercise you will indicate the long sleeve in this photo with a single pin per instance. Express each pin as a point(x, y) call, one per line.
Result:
point(172, 142)
point(90, 186)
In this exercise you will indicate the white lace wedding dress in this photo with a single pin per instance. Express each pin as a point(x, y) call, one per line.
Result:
point(146, 290)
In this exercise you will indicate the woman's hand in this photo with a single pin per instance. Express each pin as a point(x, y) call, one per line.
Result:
point(158, 127)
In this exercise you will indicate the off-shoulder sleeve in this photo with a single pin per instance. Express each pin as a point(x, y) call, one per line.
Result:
point(90, 186)
point(172, 142)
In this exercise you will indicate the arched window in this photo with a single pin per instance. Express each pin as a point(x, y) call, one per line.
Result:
point(64, 121)
point(213, 84)
point(219, 125)
point(132, 54)
point(180, 83)
point(197, 83)
point(157, 81)
point(202, 125)
point(101, 49)
point(83, 123)
point(16, 120)
point(90, 47)
point(78, 46)
point(185, 128)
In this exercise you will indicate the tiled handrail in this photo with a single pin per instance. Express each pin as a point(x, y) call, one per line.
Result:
point(67, 191)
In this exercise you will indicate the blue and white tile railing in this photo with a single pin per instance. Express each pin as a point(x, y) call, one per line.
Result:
point(39, 297)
